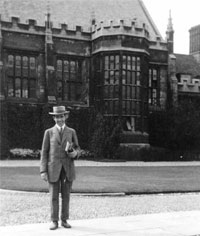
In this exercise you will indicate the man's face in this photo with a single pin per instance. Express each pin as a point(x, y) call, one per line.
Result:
point(60, 119)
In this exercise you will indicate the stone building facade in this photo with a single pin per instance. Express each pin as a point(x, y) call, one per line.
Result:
point(195, 42)
point(117, 62)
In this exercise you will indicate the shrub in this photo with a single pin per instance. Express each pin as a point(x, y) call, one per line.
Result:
point(178, 128)
point(19, 153)
point(24, 126)
point(105, 137)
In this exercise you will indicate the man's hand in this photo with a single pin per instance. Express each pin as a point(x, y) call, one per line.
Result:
point(44, 176)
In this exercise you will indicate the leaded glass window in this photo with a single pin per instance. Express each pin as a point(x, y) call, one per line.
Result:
point(68, 77)
point(21, 80)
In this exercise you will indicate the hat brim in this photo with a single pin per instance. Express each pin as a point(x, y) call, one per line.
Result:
point(60, 113)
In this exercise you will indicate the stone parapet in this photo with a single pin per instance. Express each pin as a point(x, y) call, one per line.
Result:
point(189, 85)
point(31, 27)
point(125, 27)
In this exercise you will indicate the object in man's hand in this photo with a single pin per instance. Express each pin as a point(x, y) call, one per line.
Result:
point(67, 146)
point(72, 153)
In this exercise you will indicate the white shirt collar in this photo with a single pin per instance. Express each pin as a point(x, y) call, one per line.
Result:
point(58, 127)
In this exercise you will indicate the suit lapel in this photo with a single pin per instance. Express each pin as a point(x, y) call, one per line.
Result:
point(56, 133)
point(65, 134)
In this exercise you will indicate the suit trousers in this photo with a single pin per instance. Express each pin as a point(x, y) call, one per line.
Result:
point(64, 186)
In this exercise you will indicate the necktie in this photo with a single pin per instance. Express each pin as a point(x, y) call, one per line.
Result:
point(61, 133)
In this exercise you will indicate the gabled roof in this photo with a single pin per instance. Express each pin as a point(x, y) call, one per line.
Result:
point(79, 12)
point(186, 64)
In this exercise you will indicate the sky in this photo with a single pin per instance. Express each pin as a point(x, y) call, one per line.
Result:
point(185, 14)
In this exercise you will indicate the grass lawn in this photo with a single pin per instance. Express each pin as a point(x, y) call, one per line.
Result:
point(110, 179)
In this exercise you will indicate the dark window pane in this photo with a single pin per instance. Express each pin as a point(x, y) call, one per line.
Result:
point(73, 91)
point(106, 77)
point(18, 66)
point(154, 74)
point(138, 64)
point(10, 87)
point(117, 62)
point(133, 78)
point(112, 77)
point(25, 67)
point(123, 77)
point(10, 60)
point(112, 62)
point(138, 78)
point(123, 92)
point(32, 63)
point(128, 63)
point(106, 63)
point(25, 88)
point(133, 63)
point(106, 107)
point(66, 76)
point(128, 77)
point(116, 77)
point(32, 88)
point(32, 67)
point(137, 108)
point(17, 88)
point(72, 66)
point(138, 93)
point(133, 107)
point(59, 75)
point(10, 70)
point(78, 92)
point(111, 91)
point(72, 76)
point(106, 91)
point(133, 92)
point(66, 91)
point(123, 107)
point(124, 62)
point(129, 92)
point(128, 103)
point(66, 66)
point(116, 91)
point(59, 89)
point(59, 65)
point(116, 107)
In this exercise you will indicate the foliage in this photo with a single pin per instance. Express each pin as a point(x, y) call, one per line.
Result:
point(105, 138)
point(178, 128)
point(184, 127)
point(81, 120)
point(19, 153)
point(24, 126)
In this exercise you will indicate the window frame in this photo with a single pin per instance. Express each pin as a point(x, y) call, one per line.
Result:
point(16, 75)
point(69, 78)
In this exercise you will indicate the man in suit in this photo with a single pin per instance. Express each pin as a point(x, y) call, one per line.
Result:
point(59, 148)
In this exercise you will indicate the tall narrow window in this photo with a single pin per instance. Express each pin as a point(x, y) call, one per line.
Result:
point(111, 84)
point(21, 81)
point(119, 88)
point(153, 87)
point(69, 82)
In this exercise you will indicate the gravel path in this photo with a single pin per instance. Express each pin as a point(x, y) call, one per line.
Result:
point(23, 207)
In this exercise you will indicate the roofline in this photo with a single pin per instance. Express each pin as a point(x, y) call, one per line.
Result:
point(156, 31)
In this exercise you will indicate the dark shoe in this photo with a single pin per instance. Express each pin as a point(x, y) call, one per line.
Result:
point(53, 225)
point(65, 224)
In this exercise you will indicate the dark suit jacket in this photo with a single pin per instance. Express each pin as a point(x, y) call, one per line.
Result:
point(53, 155)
